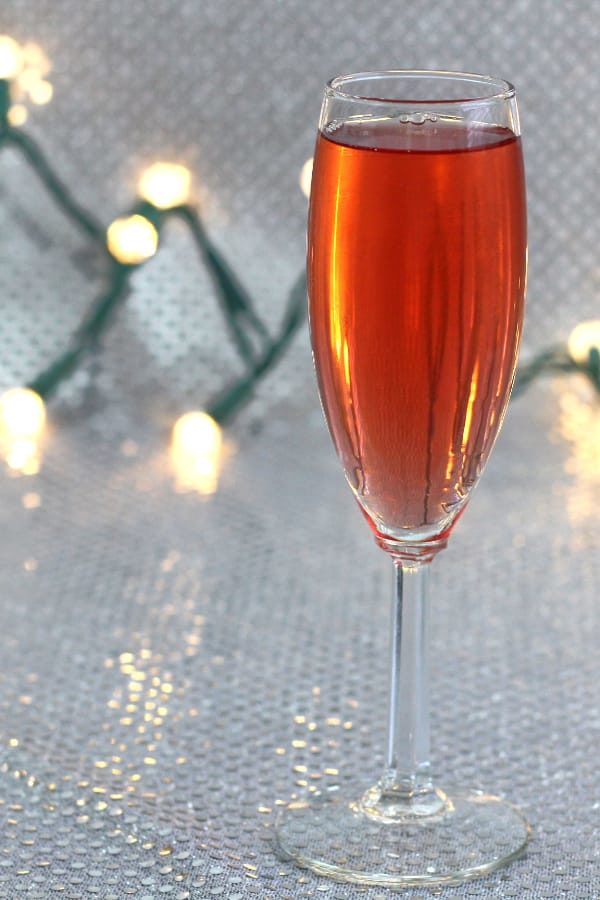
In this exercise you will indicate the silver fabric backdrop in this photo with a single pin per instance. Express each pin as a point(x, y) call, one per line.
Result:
point(175, 667)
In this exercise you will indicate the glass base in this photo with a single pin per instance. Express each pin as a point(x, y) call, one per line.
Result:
point(469, 835)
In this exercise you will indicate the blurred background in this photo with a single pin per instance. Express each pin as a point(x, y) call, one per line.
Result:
point(232, 90)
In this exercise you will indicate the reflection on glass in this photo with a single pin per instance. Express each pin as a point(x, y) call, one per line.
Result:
point(306, 177)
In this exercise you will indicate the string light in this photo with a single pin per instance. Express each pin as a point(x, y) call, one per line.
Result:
point(22, 426)
point(579, 425)
point(197, 452)
point(25, 67)
point(11, 58)
point(28, 77)
point(164, 190)
point(17, 115)
point(584, 338)
point(41, 92)
point(305, 178)
point(132, 240)
point(22, 413)
point(35, 58)
point(165, 185)
point(581, 354)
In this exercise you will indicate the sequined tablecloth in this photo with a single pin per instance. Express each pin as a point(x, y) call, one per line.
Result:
point(175, 667)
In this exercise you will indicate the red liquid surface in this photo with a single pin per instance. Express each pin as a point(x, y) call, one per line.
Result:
point(417, 262)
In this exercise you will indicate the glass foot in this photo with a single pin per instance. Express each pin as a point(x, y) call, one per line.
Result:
point(470, 834)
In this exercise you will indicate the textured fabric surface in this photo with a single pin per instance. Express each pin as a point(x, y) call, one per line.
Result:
point(175, 668)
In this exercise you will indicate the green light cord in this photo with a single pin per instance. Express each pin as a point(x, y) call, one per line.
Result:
point(557, 359)
point(230, 401)
point(236, 304)
point(55, 187)
point(32, 153)
point(258, 350)
point(4, 105)
point(234, 295)
point(87, 335)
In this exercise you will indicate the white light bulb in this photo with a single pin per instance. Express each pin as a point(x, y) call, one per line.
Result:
point(22, 413)
point(584, 338)
point(11, 57)
point(35, 58)
point(165, 185)
point(132, 239)
point(197, 452)
point(22, 426)
point(306, 177)
point(17, 115)
point(41, 92)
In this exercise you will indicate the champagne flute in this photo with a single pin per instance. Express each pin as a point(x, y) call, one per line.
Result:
point(416, 271)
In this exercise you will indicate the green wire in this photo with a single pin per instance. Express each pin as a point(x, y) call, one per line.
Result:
point(229, 402)
point(86, 336)
point(61, 193)
point(235, 301)
point(557, 359)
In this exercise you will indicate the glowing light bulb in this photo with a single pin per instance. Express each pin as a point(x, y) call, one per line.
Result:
point(584, 338)
point(579, 425)
point(197, 452)
point(28, 77)
point(22, 425)
point(306, 177)
point(22, 413)
point(17, 115)
point(35, 58)
point(165, 185)
point(132, 239)
point(11, 57)
point(40, 92)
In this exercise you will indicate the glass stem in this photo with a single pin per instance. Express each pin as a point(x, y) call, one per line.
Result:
point(405, 790)
point(407, 763)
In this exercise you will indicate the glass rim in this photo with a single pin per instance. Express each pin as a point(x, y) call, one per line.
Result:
point(503, 90)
